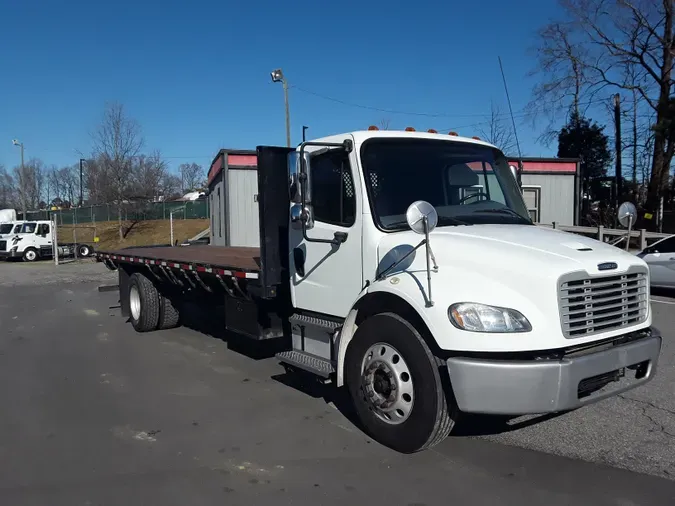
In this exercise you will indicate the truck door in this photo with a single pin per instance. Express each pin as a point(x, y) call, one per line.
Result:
point(326, 278)
point(43, 239)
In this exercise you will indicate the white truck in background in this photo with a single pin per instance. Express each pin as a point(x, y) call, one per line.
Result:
point(34, 240)
point(8, 228)
point(405, 266)
point(7, 215)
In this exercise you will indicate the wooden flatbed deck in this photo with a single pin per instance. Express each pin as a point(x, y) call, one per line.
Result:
point(224, 257)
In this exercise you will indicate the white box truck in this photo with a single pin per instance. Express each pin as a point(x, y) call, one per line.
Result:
point(405, 266)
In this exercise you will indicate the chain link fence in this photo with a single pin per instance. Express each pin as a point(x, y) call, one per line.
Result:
point(135, 212)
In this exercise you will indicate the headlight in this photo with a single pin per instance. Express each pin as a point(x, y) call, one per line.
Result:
point(481, 318)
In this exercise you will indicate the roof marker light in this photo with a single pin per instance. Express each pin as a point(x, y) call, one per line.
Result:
point(453, 133)
point(373, 127)
point(409, 129)
point(432, 131)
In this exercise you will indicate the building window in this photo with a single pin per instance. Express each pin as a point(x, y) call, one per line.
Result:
point(532, 196)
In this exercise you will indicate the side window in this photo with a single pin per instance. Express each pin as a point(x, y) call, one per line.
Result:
point(43, 229)
point(665, 246)
point(333, 198)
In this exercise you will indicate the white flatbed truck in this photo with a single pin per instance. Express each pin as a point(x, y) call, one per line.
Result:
point(405, 266)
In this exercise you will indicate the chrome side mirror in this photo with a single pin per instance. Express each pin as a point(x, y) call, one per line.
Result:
point(296, 167)
point(298, 217)
point(514, 171)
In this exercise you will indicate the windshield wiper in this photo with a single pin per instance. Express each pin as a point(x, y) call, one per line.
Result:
point(441, 220)
point(504, 210)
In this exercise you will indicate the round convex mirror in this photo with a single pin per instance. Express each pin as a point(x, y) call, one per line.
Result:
point(417, 212)
point(627, 213)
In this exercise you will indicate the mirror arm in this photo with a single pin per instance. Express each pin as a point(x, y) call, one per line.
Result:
point(382, 274)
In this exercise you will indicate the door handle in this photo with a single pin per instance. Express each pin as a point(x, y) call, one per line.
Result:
point(299, 261)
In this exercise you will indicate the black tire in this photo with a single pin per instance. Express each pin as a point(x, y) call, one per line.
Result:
point(30, 255)
point(145, 316)
point(169, 316)
point(430, 419)
point(83, 250)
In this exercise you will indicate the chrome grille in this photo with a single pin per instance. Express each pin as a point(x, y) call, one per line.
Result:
point(589, 305)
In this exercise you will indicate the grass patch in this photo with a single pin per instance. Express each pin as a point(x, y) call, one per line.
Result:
point(144, 233)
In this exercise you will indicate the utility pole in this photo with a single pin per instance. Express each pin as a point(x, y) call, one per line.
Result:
point(278, 76)
point(617, 124)
point(22, 181)
point(81, 194)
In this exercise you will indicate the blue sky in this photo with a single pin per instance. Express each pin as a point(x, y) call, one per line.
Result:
point(196, 74)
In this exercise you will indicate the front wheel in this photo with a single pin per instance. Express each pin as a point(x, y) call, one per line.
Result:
point(395, 384)
point(30, 255)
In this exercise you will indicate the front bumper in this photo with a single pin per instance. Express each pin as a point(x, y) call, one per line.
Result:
point(8, 254)
point(520, 387)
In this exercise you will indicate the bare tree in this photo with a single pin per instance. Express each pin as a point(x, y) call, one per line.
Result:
point(630, 45)
point(561, 62)
point(384, 124)
point(498, 131)
point(171, 186)
point(191, 176)
point(7, 189)
point(149, 173)
point(117, 142)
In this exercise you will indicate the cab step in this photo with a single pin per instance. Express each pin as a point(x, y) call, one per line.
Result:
point(307, 362)
point(322, 323)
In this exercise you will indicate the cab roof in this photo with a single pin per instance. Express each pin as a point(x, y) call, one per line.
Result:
point(360, 136)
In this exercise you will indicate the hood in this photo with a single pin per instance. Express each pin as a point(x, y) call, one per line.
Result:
point(515, 248)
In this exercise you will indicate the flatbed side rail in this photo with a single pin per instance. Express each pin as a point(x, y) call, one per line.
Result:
point(194, 267)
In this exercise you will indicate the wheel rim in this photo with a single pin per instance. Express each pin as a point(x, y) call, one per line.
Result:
point(135, 303)
point(84, 251)
point(30, 255)
point(387, 383)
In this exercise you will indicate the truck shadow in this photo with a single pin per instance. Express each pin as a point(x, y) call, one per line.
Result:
point(470, 425)
point(210, 320)
point(467, 425)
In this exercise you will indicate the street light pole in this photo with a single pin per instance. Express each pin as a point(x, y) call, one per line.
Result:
point(278, 76)
point(22, 182)
point(82, 160)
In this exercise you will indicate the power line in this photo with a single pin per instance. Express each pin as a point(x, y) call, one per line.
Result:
point(524, 111)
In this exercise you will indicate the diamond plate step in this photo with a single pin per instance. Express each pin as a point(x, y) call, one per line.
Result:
point(307, 362)
point(301, 319)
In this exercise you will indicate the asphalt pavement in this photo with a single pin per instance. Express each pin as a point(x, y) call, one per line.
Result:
point(96, 414)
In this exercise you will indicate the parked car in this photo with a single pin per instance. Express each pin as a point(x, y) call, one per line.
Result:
point(660, 258)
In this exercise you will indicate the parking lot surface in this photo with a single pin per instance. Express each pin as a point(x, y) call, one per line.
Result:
point(96, 414)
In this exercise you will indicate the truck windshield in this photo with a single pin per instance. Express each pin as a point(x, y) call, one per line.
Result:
point(6, 228)
point(468, 184)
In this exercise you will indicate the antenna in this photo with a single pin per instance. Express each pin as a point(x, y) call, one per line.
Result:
point(513, 121)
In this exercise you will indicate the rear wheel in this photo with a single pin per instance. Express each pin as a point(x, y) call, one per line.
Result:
point(395, 384)
point(30, 255)
point(143, 303)
point(169, 316)
point(83, 251)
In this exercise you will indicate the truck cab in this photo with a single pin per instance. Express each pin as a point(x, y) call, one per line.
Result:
point(29, 240)
point(420, 249)
point(405, 267)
